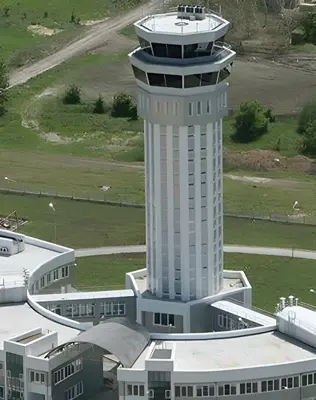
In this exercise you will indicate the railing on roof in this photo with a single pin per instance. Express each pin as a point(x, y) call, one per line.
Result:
point(252, 308)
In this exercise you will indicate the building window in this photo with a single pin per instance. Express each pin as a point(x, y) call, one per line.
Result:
point(74, 391)
point(205, 391)
point(308, 379)
point(1, 392)
point(37, 377)
point(199, 108)
point(68, 370)
point(136, 390)
point(113, 308)
point(42, 281)
point(55, 275)
point(48, 278)
point(227, 390)
point(163, 319)
point(183, 391)
point(65, 271)
point(190, 109)
point(248, 388)
point(208, 107)
point(157, 106)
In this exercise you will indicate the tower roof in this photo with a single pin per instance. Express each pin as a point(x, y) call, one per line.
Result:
point(171, 23)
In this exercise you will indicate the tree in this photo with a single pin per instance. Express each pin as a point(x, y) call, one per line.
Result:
point(309, 27)
point(307, 115)
point(72, 95)
point(4, 84)
point(309, 142)
point(99, 107)
point(250, 122)
point(124, 106)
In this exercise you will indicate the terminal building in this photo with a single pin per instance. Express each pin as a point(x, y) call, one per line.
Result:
point(183, 327)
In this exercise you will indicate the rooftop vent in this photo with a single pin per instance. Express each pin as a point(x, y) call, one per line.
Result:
point(191, 12)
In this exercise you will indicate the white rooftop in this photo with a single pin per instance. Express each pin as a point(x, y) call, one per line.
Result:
point(11, 267)
point(238, 352)
point(55, 297)
point(170, 23)
point(19, 318)
point(300, 316)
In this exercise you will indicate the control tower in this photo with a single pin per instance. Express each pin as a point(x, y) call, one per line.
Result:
point(181, 69)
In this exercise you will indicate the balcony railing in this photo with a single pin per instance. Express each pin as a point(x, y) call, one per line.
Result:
point(221, 52)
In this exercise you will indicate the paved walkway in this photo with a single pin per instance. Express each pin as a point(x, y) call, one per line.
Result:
point(269, 251)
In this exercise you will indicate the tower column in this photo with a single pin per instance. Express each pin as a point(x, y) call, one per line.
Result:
point(181, 68)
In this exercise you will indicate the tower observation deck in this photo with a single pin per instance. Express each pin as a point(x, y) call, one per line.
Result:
point(181, 69)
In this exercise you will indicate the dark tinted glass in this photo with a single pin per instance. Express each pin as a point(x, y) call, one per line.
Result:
point(174, 81)
point(160, 50)
point(143, 42)
point(224, 73)
point(192, 81)
point(156, 79)
point(190, 50)
point(139, 74)
point(209, 78)
point(174, 51)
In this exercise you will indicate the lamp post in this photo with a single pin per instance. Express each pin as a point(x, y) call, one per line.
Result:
point(51, 205)
point(243, 322)
point(8, 179)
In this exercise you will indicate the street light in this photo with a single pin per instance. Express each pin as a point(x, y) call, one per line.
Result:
point(243, 322)
point(8, 179)
point(51, 205)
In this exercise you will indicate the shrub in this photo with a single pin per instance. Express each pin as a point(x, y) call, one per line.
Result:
point(269, 115)
point(99, 107)
point(250, 122)
point(307, 115)
point(309, 142)
point(309, 27)
point(72, 95)
point(124, 106)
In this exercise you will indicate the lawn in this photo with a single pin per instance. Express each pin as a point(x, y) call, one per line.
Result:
point(36, 109)
point(83, 177)
point(19, 45)
point(270, 277)
point(82, 224)
point(78, 224)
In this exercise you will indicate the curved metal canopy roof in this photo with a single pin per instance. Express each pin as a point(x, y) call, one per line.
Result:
point(117, 336)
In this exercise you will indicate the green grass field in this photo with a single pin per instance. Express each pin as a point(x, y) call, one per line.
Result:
point(37, 107)
point(83, 178)
point(281, 137)
point(270, 277)
point(81, 224)
point(19, 45)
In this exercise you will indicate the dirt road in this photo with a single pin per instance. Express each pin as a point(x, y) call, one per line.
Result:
point(94, 37)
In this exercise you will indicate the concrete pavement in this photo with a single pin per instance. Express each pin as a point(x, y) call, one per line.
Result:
point(268, 251)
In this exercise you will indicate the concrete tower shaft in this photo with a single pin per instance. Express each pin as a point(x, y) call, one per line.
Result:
point(181, 68)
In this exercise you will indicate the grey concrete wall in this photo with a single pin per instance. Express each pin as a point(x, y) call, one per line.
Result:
point(201, 318)
point(148, 323)
point(293, 394)
point(308, 391)
point(239, 297)
point(91, 375)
